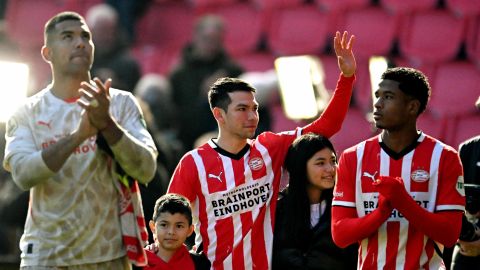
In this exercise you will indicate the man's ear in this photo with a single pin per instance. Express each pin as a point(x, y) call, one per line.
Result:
point(219, 114)
point(46, 53)
point(414, 106)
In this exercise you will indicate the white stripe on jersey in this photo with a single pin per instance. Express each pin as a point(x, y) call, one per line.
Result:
point(404, 226)
point(358, 177)
point(382, 246)
point(267, 225)
point(212, 246)
point(434, 168)
point(230, 182)
point(402, 242)
point(424, 257)
point(247, 257)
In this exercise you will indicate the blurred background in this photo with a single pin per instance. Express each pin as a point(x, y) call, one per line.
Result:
point(161, 50)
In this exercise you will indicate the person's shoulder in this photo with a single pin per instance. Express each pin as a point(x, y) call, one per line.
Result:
point(200, 261)
point(353, 149)
point(471, 142)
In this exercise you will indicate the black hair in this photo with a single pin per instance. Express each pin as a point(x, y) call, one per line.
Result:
point(173, 204)
point(297, 202)
point(60, 17)
point(218, 93)
point(412, 82)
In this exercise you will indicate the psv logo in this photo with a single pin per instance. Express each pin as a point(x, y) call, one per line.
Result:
point(420, 176)
point(256, 164)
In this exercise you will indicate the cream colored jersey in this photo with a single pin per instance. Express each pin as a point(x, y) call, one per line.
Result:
point(73, 214)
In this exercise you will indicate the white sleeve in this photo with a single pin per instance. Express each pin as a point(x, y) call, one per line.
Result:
point(22, 157)
point(136, 151)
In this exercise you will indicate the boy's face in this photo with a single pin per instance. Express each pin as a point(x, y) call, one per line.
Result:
point(171, 231)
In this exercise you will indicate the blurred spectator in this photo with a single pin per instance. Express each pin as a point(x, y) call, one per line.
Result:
point(203, 61)
point(112, 58)
point(129, 11)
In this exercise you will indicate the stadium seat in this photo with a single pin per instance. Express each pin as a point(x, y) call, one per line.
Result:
point(26, 19)
point(243, 24)
point(408, 6)
point(276, 4)
point(374, 28)
point(456, 84)
point(355, 128)
point(473, 41)
point(301, 30)
point(464, 8)
point(258, 61)
point(336, 5)
point(156, 60)
point(167, 25)
point(431, 36)
point(465, 127)
point(201, 4)
point(433, 124)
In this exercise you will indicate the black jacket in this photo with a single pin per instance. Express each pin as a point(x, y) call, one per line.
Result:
point(319, 252)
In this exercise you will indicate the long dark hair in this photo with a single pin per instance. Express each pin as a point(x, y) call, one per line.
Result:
point(297, 203)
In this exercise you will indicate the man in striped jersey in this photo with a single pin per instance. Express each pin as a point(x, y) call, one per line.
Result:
point(233, 181)
point(399, 194)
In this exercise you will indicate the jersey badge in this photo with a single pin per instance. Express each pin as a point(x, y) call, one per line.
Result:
point(420, 176)
point(256, 164)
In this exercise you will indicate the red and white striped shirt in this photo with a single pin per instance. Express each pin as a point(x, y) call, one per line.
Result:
point(234, 197)
point(432, 175)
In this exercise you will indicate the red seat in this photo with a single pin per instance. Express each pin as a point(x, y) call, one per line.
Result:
point(336, 5)
point(201, 4)
point(243, 24)
point(433, 124)
point(301, 30)
point(276, 4)
point(25, 20)
point(156, 60)
point(432, 36)
point(473, 41)
point(464, 7)
point(454, 85)
point(408, 6)
point(466, 127)
point(355, 128)
point(166, 25)
point(374, 28)
point(256, 61)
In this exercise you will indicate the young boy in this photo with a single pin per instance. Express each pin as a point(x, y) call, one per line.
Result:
point(171, 224)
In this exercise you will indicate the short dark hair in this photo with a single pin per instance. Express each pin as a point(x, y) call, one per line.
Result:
point(218, 93)
point(173, 204)
point(412, 82)
point(60, 17)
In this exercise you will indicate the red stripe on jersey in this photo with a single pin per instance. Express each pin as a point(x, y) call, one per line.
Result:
point(396, 167)
point(420, 166)
point(370, 260)
point(259, 249)
point(414, 249)
point(225, 246)
point(393, 230)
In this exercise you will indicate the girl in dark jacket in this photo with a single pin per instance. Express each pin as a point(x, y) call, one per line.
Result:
point(302, 238)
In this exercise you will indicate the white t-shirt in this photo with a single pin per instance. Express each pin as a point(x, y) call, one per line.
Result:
point(73, 214)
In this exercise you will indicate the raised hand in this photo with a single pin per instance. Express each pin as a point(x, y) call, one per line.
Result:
point(343, 49)
point(96, 102)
